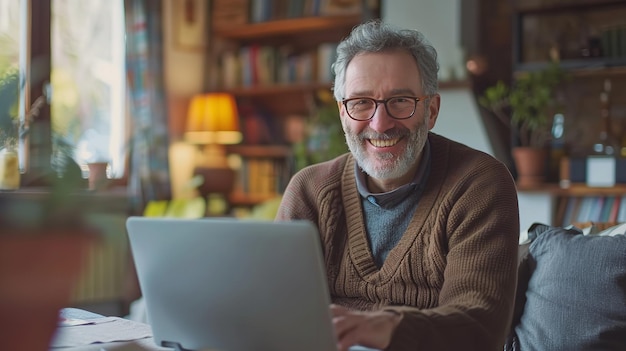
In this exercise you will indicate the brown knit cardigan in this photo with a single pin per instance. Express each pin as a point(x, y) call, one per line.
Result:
point(452, 276)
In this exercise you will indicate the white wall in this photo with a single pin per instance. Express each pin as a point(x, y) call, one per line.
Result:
point(459, 118)
point(183, 67)
point(439, 21)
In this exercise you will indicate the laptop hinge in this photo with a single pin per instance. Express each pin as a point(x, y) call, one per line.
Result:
point(174, 345)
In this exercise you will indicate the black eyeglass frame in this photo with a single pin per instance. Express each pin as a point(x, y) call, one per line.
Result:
point(384, 102)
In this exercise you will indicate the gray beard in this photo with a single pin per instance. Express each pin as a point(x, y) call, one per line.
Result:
point(392, 166)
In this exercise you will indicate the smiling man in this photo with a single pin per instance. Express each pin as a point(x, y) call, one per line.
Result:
point(419, 232)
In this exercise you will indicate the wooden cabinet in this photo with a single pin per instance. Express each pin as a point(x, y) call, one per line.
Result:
point(583, 34)
point(275, 64)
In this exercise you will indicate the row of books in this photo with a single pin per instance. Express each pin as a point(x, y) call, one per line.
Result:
point(608, 208)
point(613, 41)
point(256, 64)
point(229, 13)
point(272, 10)
point(262, 176)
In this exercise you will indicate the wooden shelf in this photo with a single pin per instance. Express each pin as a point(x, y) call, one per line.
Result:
point(586, 34)
point(569, 7)
point(580, 67)
point(288, 27)
point(298, 88)
point(242, 199)
point(276, 89)
point(454, 84)
point(112, 200)
point(574, 190)
point(582, 33)
point(291, 43)
point(271, 151)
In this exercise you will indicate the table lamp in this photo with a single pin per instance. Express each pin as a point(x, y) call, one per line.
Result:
point(212, 122)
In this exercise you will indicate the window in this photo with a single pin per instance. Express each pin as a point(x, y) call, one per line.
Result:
point(9, 60)
point(85, 43)
point(87, 105)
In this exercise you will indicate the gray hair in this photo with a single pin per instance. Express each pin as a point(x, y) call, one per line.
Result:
point(376, 36)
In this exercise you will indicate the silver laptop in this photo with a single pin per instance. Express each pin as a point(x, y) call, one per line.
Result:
point(232, 285)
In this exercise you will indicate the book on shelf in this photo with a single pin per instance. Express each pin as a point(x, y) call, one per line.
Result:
point(231, 70)
point(262, 176)
point(295, 8)
point(274, 10)
point(258, 126)
point(262, 65)
point(326, 54)
point(621, 214)
point(245, 66)
point(265, 64)
point(340, 7)
point(595, 212)
point(599, 209)
point(571, 212)
point(581, 215)
point(607, 206)
point(615, 209)
point(229, 13)
point(261, 11)
point(561, 210)
point(572, 206)
point(344, 7)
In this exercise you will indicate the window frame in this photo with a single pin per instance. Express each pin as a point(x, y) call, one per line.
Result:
point(36, 21)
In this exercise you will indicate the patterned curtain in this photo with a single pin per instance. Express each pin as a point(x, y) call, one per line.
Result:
point(149, 177)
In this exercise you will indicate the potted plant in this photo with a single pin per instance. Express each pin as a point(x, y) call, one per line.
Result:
point(324, 138)
point(527, 107)
point(45, 240)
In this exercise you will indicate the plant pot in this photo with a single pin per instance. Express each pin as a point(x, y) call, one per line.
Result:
point(530, 163)
point(38, 274)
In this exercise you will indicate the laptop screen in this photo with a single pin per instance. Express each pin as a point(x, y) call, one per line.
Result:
point(230, 284)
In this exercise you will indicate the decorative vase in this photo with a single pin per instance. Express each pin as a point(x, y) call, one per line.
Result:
point(530, 163)
point(9, 169)
point(39, 270)
point(97, 175)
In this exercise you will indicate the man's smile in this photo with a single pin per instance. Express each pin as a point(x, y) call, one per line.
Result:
point(384, 142)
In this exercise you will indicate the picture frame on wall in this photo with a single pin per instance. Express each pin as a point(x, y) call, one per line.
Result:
point(190, 24)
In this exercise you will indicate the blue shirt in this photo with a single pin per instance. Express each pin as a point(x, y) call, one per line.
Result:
point(388, 214)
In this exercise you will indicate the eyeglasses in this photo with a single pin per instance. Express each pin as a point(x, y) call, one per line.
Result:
point(398, 107)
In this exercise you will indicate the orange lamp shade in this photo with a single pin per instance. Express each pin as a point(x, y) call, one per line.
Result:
point(212, 118)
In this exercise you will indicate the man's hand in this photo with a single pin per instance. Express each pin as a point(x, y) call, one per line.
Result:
point(370, 329)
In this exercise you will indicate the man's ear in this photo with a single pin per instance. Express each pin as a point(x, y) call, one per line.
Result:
point(340, 107)
point(433, 108)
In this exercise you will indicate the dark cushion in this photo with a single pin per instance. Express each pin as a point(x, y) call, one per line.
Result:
point(576, 294)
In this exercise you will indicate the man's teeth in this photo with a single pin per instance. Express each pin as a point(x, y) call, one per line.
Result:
point(384, 143)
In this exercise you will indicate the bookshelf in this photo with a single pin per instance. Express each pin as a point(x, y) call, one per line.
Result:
point(275, 60)
point(310, 38)
point(262, 172)
point(581, 203)
point(583, 36)
point(588, 38)
point(592, 208)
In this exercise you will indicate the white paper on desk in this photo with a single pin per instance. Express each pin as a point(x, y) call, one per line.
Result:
point(103, 330)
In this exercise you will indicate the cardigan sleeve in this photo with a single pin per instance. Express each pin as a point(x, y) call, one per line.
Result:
point(479, 220)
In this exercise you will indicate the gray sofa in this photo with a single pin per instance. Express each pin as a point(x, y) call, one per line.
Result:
point(571, 292)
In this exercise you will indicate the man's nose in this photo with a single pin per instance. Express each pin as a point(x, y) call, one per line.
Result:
point(381, 121)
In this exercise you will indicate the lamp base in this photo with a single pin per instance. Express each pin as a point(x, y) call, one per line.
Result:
point(217, 180)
